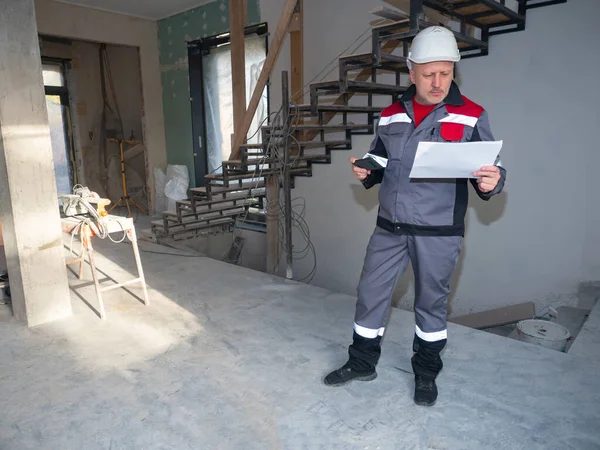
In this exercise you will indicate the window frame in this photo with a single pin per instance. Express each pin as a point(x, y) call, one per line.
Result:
point(197, 49)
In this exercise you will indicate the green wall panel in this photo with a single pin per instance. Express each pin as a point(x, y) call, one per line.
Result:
point(173, 33)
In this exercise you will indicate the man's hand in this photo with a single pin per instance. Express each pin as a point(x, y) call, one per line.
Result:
point(490, 176)
point(359, 173)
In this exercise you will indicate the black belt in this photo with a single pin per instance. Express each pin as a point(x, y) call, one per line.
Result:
point(420, 230)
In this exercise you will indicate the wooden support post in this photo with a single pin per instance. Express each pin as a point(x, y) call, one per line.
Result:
point(273, 210)
point(237, 14)
point(275, 48)
point(297, 54)
point(297, 60)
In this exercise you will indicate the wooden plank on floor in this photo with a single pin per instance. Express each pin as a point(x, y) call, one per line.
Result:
point(496, 317)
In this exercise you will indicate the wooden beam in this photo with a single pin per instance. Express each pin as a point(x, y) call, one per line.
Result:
point(297, 61)
point(237, 19)
point(274, 50)
point(297, 54)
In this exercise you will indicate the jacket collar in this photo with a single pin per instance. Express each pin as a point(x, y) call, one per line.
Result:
point(454, 96)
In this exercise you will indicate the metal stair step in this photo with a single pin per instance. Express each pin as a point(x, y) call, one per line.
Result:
point(257, 161)
point(213, 212)
point(252, 175)
point(201, 192)
point(192, 203)
point(402, 31)
point(366, 87)
point(248, 162)
point(207, 206)
point(337, 108)
point(314, 144)
point(366, 60)
point(338, 127)
point(195, 225)
point(375, 88)
point(487, 14)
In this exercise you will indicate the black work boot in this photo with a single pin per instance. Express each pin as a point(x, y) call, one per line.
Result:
point(425, 391)
point(427, 364)
point(364, 354)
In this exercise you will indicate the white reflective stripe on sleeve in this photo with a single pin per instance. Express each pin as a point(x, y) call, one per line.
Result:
point(431, 337)
point(368, 333)
point(460, 118)
point(396, 118)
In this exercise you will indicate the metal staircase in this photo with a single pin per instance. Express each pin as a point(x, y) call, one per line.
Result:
point(241, 191)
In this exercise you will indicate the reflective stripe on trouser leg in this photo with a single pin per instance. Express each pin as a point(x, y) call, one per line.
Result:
point(386, 259)
point(433, 259)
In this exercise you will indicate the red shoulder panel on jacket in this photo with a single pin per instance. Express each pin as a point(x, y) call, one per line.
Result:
point(394, 108)
point(470, 108)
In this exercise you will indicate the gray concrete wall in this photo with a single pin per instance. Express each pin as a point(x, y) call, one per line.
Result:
point(28, 199)
point(539, 239)
point(252, 255)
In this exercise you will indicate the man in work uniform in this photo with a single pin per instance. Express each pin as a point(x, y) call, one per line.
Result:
point(419, 220)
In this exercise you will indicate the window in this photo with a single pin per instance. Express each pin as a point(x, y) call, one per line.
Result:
point(57, 106)
point(212, 97)
point(53, 75)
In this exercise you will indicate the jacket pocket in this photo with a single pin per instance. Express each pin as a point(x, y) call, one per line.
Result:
point(450, 131)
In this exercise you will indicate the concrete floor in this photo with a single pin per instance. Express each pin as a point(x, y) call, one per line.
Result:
point(228, 358)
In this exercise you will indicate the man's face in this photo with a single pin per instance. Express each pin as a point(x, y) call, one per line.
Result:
point(432, 81)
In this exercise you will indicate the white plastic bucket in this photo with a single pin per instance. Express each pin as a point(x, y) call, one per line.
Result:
point(544, 333)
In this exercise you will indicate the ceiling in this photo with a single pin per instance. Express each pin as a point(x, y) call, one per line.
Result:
point(148, 9)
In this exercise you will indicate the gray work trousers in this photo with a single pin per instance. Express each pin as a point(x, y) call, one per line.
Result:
point(433, 259)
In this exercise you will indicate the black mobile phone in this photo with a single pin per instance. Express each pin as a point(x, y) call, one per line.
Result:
point(367, 163)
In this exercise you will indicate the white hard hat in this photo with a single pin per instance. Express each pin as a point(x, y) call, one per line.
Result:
point(433, 44)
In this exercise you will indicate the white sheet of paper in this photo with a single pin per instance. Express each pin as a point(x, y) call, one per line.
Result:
point(453, 160)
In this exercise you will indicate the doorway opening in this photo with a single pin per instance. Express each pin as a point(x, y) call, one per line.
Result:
point(95, 110)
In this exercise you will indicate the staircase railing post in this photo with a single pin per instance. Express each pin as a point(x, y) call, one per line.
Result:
point(287, 194)
point(416, 14)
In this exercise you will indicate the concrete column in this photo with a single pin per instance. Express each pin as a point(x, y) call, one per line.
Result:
point(28, 199)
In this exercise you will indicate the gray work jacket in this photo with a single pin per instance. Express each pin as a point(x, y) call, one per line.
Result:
point(434, 207)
